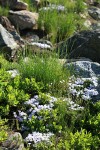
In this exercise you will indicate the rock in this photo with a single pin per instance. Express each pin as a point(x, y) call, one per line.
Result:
point(8, 45)
point(14, 4)
point(42, 44)
point(39, 47)
point(23, 19)
point(6, 23)
point(88, 80)
point(95, 26)
point(33, 34)
point(85, 68)
point(94, 13)
point(19, 6)
point(10, 28)
point(30, 36)
point(83, 44)
point(87, 24)
point(13, 73)
point(14, 142)
point(96, 4)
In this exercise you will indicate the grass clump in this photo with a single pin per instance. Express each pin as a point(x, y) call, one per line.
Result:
point(45, 69)
point(58, 26)
point(32, 5)
point(71, 6)
point(4, 11)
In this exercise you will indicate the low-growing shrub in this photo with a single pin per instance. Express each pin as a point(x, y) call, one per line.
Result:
point(15, 91)
point(68, 141)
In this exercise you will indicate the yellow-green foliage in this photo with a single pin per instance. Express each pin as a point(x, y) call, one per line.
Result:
point(14, 91)
point(3, 130)
point(6, 65)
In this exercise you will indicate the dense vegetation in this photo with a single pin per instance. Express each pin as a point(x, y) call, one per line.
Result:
point(71, 128)
point(37, 99)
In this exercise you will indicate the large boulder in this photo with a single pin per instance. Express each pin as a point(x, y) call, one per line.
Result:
point(19, 6)
point(24, 19)
point(94, 13)
point(14, 142)
point(84, 44)
point(14, 4)
point(8, 45)
point(39, 47)
point(10, 28)
point(86, 80)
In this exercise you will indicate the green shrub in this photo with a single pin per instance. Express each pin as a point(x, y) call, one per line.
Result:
point(81, 140)
point(69, 141)
point(43, 99)
point(15, 91)
point(30, 86)
point(94, 124)
point(6, 65)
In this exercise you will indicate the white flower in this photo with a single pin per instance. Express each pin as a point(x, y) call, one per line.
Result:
point(38, 137)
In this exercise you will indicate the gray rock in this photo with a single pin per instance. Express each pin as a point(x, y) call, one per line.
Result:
point(23, 19)
point(30, 37)
point(14, 142)
point(42, 45)
point(14, 4)
point(39, 47)
point(84, 44)
point(10, 28)
point(19, 6)
point(95, 3)
point(96, 26)
point(7, 43)
point(85, 71)
point(94, 13)
point(85, 68)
